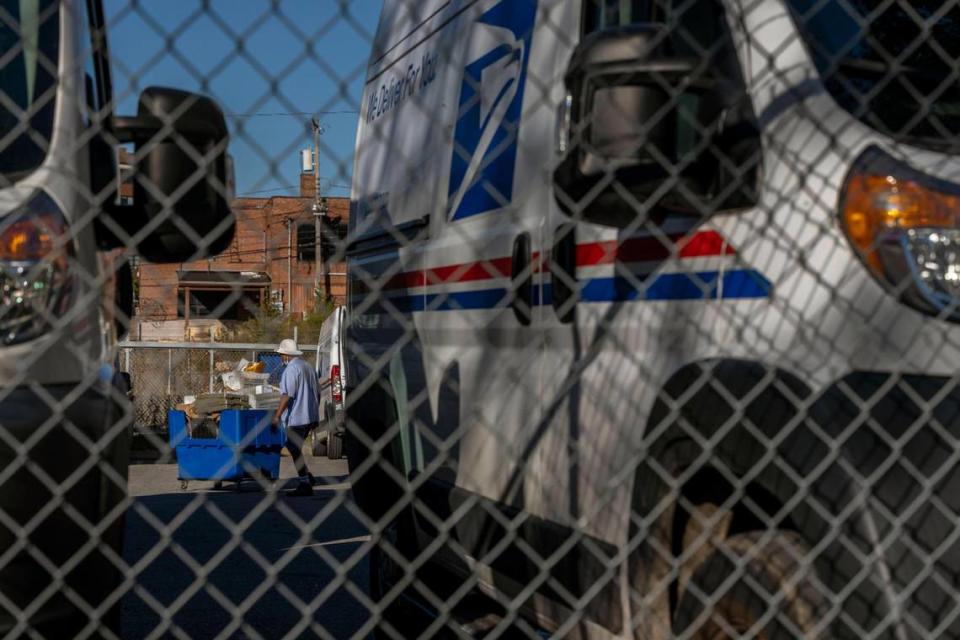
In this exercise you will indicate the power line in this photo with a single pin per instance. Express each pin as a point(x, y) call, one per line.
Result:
point(283, 188)
point(330, 185)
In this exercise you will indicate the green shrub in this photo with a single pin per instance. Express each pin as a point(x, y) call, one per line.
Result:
point(269, 326)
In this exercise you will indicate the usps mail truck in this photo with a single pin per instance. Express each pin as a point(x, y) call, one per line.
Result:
point(653, 314)
point(65, 296)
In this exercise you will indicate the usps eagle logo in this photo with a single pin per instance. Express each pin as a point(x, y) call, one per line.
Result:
point(490, 106)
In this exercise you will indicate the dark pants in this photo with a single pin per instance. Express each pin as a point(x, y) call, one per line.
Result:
point(296, 436)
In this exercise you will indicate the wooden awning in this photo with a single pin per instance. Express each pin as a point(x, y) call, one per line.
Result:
point(214, 280)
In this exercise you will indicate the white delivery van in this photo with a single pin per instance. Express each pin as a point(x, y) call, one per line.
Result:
point(654, 312)
point(327, 439)
point(63, 424)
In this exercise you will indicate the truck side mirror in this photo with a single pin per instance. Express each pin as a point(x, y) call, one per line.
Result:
point(643, 133)
point(182, 178)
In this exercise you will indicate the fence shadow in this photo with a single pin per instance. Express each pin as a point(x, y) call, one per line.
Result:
point(312, 562)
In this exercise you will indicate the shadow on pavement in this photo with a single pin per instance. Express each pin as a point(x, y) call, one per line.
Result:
point(174, 539)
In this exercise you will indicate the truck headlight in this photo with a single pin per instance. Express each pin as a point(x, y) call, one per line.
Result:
point(35, 283)
point(905, 225)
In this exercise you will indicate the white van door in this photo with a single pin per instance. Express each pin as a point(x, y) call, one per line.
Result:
point(483, 332)
point(449, 161)
point(482, 327)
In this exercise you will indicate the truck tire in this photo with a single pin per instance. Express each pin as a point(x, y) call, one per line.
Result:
point(334, 445)
point(394, 593)
point(733, 591)
point(318, 443)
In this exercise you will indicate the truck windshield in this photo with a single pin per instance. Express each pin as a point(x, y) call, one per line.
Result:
point(29, 37)
point(694, 26)
point(606, 14)
point(880, 65)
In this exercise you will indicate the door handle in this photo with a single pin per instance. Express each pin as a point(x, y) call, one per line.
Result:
point(521, 278)
point(563, 272)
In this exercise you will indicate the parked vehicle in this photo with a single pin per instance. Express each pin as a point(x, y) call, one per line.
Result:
point(708, 326)
point(327, 439)
point(63, 496)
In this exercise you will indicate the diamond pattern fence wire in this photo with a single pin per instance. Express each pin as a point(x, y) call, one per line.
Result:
point(162, 374)
point(651, 320)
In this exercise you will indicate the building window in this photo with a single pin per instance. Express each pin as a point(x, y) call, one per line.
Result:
point(334, 235)
point(276, 300)
point(334, 231)
point(306, 242)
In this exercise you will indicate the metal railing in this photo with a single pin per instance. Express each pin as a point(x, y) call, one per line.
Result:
point(162, 373)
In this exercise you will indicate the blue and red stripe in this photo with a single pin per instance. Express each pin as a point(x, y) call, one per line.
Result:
point(696, 285)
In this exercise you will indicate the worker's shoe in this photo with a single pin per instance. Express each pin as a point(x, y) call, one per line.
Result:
point(303, 489)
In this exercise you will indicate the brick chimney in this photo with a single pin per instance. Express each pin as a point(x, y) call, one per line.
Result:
point(308, 179)
point(308, 185)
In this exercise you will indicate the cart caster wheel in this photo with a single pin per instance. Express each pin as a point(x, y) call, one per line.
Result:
point(183, 485)
point(218, 484)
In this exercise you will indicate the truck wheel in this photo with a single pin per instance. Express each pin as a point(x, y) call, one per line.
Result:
point(744, 579)
point(334, 445)
point(318, 443)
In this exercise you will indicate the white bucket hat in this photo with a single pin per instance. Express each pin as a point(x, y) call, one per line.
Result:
point(288, 347)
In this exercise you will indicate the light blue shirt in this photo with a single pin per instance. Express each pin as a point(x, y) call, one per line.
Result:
point(299, 381)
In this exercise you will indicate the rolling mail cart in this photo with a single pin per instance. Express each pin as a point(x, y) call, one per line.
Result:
point(244, 448)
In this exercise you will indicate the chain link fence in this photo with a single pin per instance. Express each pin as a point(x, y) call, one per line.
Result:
point(162, 374)
point(651, 331)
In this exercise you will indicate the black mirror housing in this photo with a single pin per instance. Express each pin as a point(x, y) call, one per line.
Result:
point(181, 191)
point(643, 131)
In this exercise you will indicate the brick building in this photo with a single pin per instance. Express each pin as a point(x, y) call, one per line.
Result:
point(270, 262)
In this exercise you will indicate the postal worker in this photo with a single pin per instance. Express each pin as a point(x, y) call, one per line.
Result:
point(299, 401)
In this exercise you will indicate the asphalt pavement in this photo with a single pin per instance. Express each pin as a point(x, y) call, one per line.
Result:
point(200, 555)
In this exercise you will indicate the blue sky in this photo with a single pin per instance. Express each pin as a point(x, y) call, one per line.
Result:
point(297, 57)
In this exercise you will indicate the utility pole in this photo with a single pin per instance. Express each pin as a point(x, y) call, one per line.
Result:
point(319, 212)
